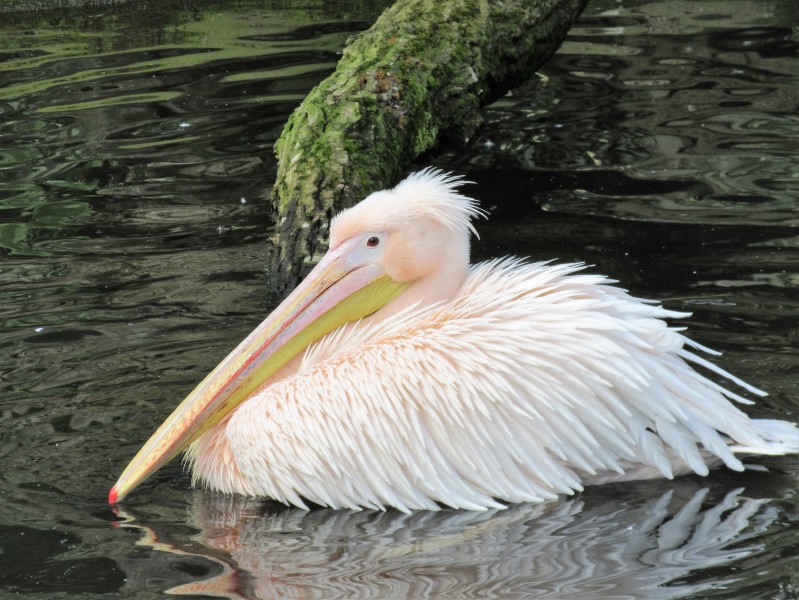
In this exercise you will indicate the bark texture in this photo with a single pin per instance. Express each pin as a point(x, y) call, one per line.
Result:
point(415, 78)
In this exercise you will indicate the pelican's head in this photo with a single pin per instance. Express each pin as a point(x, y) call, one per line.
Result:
point(410, 241)
point(411, 227)
point(417, 232)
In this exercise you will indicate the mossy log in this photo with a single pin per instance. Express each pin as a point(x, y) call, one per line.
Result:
point(415, 78)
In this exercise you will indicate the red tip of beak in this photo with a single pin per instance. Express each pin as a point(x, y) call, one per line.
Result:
point(112, 495)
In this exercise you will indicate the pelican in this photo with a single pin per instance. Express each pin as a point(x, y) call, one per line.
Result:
point(399, 375)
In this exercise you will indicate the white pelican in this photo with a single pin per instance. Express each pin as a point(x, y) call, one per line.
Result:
point(440, 383)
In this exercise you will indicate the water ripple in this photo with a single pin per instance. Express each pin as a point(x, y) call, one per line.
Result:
point(712, 110)
point(136, 149)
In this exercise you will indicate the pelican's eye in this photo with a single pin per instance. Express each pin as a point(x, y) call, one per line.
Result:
point(373, 242)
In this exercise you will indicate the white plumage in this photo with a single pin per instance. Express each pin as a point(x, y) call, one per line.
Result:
point(520, 383)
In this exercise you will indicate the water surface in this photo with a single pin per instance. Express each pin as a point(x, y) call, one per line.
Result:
point(659, 145)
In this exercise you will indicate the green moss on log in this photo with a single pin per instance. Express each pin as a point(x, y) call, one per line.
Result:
point(416, 77)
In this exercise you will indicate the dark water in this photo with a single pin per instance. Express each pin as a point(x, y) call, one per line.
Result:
point(661, 145)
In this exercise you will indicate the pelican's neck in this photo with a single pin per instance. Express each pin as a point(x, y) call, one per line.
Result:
point(425, 292)
point(441, 284)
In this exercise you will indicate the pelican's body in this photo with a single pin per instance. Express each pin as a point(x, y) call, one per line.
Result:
point(469, 386)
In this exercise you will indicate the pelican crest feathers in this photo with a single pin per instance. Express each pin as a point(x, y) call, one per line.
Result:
point(427, 194)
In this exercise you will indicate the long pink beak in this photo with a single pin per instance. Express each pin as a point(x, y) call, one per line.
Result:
point(343, 287)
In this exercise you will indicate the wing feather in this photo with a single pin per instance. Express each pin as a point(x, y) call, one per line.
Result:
point(537, 379)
